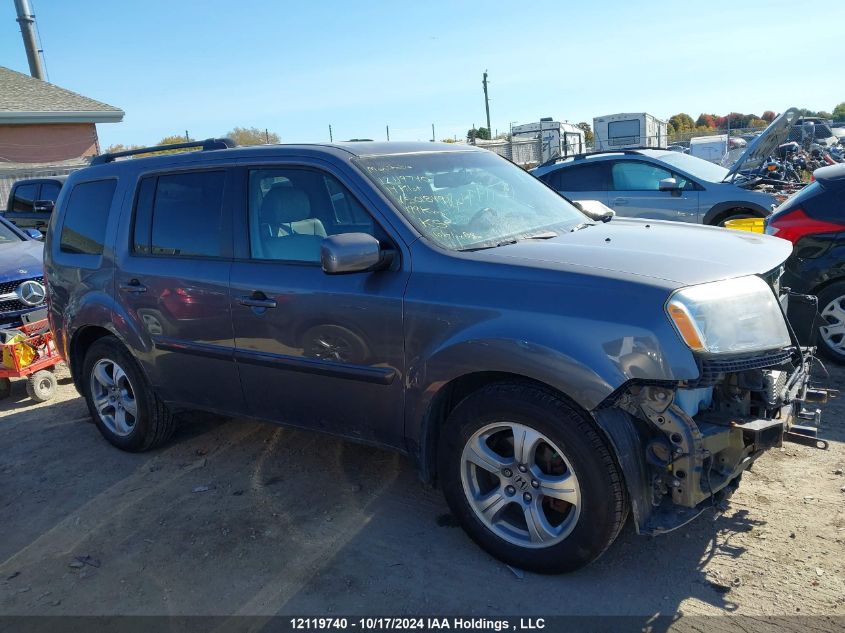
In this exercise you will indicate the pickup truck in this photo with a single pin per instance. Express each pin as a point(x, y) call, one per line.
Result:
point(31, 201)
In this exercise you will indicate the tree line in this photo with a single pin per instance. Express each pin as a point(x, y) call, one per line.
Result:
point(241, 136)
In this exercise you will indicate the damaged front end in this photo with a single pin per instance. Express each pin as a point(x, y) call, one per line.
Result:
point(684, 446)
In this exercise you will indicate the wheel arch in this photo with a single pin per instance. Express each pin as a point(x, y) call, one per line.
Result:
point(718, 212)
point(451, 393)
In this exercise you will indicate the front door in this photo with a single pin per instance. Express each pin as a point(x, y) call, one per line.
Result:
point(315, 350)
point(635, 192)
point(174, 284)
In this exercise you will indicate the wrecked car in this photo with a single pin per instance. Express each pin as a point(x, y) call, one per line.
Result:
point(553, 373)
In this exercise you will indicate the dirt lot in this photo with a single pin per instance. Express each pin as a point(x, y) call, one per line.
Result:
point(238, 517)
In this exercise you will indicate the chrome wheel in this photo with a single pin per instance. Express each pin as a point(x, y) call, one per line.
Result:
point(833, 331)
point(114, 397)
point(520, 485)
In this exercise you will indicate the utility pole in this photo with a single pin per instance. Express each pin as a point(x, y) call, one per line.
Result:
point(330, 133)
point(432, 133)
point(187, 138)
point(486, 101)
point(266, 137)
point(387, 129)
point(26, 20)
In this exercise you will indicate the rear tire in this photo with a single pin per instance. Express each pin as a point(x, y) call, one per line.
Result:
point(735, 215)
point(550, 497)
point(121, 401)
point(41, 386)
point(5, 388)
point(830, 338)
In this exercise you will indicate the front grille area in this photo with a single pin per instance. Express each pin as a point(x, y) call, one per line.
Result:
point(10, 286)
point(712, 369)
point(14, 305)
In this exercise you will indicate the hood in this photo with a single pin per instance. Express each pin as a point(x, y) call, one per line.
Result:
point(674, 253)
point(21, 260)
point(764, 145)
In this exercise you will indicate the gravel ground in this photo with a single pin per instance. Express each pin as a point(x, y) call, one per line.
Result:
point(240, 517)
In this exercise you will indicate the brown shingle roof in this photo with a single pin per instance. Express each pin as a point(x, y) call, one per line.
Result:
point(24, 99)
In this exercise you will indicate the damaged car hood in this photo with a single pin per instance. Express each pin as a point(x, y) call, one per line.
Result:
point(676, 253)
point(759, 149)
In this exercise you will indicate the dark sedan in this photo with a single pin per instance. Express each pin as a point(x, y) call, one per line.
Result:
point(21, 273)
point(814, 221)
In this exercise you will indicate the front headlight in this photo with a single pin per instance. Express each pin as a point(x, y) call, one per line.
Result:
point(723, 317)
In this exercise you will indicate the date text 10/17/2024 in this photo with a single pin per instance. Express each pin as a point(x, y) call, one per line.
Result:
point(419, 624)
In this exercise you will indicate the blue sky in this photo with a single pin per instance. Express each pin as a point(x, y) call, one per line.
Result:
point(296, 67)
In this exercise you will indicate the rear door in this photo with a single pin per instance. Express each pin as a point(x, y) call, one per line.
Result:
point(580, 181)
point(173, 283)
point(315, 350)
point(635, 192)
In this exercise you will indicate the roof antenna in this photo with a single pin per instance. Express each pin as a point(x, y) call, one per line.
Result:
point(26, 20)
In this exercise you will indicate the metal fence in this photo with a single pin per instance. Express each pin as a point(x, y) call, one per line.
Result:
point(12, 172)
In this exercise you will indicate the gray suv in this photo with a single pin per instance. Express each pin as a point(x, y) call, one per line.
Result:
point(655, 183)
point(552, 373)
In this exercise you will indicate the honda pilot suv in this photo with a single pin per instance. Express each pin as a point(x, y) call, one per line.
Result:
point(552, 373)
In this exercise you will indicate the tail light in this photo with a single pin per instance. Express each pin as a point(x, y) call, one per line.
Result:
point(796, 224)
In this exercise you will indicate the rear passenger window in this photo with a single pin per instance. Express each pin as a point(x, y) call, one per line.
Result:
point(86, 215)
point(180, 214)
point(586, 178)
point(49, 191)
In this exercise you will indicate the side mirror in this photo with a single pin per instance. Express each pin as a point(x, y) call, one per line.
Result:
point(668, 184)
point(34, 234)
point(43, 206)
point(351, 253)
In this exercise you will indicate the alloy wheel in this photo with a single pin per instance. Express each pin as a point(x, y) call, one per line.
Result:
point(520, 485)
point(114, 397)
point(833, 329)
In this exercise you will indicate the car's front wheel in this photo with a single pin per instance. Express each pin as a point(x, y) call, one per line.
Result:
point(530, 479)
point(124, 407)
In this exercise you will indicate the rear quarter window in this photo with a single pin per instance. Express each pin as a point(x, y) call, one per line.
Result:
point(86, 216)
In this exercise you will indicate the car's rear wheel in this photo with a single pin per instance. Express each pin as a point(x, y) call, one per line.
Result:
point(831, 339)
point(124, 407)
point(530, 479)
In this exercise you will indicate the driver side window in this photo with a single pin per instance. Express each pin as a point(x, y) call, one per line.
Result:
point(292, 210)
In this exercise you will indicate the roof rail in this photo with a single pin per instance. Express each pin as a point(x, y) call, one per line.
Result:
point(627, 150)
point(206, 145)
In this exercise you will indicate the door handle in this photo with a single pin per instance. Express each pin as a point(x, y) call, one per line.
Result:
point(257, 300)
point(133, 286)
point(620, 201)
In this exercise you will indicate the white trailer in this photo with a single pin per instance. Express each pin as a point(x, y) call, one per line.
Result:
point(712, 148)
point(633, 129)
point(556, 138)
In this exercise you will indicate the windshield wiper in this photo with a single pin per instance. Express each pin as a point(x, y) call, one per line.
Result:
point(484, 248)
point(542, 235)
point(582, 225)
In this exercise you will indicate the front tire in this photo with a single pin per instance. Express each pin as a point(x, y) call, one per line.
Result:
point(530, 479)
point(121, 401)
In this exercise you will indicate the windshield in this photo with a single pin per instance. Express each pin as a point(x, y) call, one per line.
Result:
point(8, 235)
point(467, 200)
point(696, 167)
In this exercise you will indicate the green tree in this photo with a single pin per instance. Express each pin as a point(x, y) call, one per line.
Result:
point(682, 122)
point(120, 147)
point(706, 120)
point(253, 136)
point(839, 112)
point(480, 133)
point(588, 132)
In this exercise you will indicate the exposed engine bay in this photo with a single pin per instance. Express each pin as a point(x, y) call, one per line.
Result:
point(692, 441)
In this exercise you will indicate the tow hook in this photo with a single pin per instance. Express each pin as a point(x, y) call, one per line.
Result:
point(806, 434)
